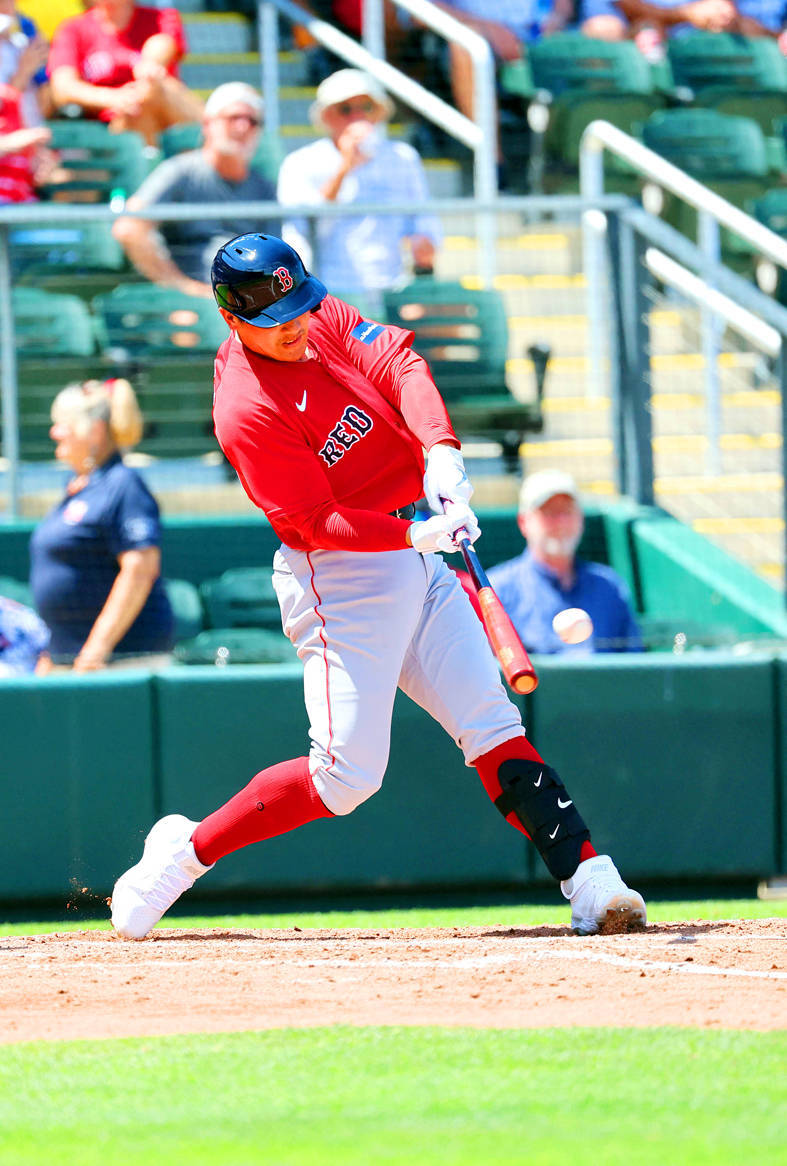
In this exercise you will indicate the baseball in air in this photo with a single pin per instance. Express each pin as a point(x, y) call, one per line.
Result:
point(573, 625)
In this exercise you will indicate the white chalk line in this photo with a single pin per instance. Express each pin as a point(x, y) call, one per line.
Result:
point(580, 950)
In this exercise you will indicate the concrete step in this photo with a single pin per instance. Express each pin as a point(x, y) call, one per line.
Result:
point(219, 32)
point(205, 71)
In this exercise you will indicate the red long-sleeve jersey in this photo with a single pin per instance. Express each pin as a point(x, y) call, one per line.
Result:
point(328, 446)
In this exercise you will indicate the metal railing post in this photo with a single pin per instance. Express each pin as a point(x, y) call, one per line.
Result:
point(373, 28)
point(594, 225)
point(268, 25)
point(709, 242)
point(10, 382)
point(630, 364)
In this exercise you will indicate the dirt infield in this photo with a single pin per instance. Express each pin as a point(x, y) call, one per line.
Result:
point(727, 974)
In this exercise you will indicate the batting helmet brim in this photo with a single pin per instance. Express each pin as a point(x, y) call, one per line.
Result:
point(308, 295)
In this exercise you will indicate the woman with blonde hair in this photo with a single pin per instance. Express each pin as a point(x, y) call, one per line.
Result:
point(95, 558)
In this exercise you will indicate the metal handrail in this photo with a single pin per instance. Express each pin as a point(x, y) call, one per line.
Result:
point(479, 135)
point(712, 210)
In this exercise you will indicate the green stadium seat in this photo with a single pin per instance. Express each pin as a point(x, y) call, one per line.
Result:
point(571, 61)
point(186, 607)
point(98, 164)
point(701, 60)
point(771, 210)
point(79, 258)
point(57, 341)
point(241, 597)
point(728, 154)
point(221, 646)
point(17, 590)
point(165, 343)
point(582, 79)
point(463, 333)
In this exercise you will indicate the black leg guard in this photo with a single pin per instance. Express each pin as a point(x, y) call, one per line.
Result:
point(534, 792)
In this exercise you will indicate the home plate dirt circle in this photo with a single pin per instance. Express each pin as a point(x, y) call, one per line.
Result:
point(86, 984)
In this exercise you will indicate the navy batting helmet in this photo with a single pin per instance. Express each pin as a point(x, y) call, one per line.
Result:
point(260, 279)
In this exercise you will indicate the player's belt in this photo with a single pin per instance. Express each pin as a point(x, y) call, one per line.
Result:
point(406, 512)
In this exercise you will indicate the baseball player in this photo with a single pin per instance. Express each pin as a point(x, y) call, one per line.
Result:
point(325, 417)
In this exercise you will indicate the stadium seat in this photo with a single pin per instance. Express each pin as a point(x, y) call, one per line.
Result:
point(771, 210)
point(17, 590)
point(186, 607)
point(701, 60)
point(579, 80)
point(728, 154)
point(98, 164)
point(241, 597)
point(237, 645)
point(57, 341)
point(463, 333)
point(165, 343)
point(82, 258)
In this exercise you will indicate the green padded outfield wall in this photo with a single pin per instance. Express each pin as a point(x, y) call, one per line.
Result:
point(75, 770)
point(431, 823)
point(677, 764)
point(672, 760)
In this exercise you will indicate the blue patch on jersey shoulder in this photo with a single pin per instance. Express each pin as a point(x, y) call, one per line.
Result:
point(366, 331)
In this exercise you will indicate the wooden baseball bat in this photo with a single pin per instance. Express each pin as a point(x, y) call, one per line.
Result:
point(506, 644)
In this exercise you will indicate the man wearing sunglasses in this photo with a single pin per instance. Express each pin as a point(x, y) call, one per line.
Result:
point(354, 162)
point(179, 254)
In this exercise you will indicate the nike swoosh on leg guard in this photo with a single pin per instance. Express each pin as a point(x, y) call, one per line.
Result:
point(546, 811)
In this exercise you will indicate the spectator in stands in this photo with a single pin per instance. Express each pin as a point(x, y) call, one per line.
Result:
point(118, 62)
point(513, 27)
point(24, 639)
point(651, 22)
point(25, 160)
point(95, 558)
point(179, 254)
point(356, 162)
point(23, 54)
point(548, 577)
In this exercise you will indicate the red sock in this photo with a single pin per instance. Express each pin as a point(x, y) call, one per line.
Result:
point(488, 765)
point(277, 800)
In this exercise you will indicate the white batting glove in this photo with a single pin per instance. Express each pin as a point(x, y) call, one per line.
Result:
point(445, 478)
point(437, 533)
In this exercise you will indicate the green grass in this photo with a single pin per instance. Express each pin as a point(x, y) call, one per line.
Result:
point(362, 1097)
point(554, 915)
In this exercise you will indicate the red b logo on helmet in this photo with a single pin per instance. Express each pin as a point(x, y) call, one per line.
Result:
point(284, 278)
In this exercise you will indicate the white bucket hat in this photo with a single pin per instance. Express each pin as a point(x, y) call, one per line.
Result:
point(342, 86)
point(539, 487)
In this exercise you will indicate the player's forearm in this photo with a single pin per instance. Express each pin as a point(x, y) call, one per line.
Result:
point(347, 529)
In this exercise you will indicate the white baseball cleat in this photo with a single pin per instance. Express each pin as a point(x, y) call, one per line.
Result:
point(601, 901)
point(168, 867)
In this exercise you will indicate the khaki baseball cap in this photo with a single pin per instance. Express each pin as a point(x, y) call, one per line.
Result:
point(539, 487)
point(343, 85)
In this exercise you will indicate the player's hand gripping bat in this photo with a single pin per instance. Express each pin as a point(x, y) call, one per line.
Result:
point(506, 644)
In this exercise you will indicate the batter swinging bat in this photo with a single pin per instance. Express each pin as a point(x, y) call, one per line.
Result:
point(509, 649)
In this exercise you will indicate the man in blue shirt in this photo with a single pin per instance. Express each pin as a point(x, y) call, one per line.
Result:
point(548, 577)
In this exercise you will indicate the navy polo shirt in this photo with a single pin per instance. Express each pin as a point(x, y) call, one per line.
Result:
point(74, 561)
point(532, 595)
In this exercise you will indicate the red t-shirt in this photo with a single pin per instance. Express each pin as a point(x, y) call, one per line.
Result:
point(328, 446)
point(16, 171)
point(105, 56)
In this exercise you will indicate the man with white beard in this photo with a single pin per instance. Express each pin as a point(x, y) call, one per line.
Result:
point(179, 254)
point(548, 578)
